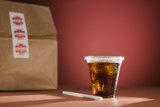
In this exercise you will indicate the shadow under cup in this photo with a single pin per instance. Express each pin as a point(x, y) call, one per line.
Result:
point(104, 73)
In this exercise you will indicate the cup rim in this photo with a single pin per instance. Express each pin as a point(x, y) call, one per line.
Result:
point(104, 57)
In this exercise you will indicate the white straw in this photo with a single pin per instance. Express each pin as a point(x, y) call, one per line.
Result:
point(82, 95)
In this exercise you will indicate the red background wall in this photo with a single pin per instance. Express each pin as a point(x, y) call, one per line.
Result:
point(129, 28)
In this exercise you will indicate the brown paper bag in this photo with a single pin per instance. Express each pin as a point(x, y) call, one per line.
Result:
point(39, 71)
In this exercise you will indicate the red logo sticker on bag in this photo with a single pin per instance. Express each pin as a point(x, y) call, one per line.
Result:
point(19, 34)
point(17, 20)
point(21, 49)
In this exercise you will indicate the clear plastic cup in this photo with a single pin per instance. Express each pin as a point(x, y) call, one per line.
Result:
point(104, 73)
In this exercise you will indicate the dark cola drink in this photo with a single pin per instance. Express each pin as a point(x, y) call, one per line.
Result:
point(104, 77)
point(104, 72)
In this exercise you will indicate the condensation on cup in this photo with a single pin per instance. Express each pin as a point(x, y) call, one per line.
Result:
point(104, 72)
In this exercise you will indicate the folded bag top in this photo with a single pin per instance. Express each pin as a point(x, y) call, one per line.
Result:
point(38, 19)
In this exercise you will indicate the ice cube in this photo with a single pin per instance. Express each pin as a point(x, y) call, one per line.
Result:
point(93, 77)
point(97, 86)
point(111, 68)
point(96, 67)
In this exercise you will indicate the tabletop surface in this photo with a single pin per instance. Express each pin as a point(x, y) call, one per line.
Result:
point(125, 97)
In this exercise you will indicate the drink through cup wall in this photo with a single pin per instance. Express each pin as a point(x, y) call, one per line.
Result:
point(104, 73)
